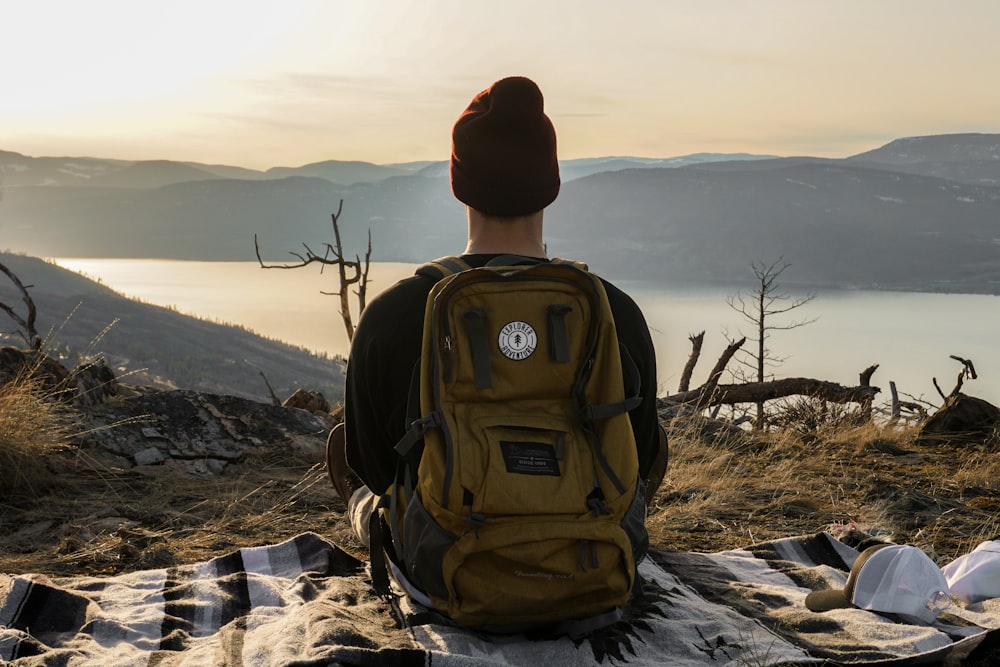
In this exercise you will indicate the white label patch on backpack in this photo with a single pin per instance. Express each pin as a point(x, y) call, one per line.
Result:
point(517, 340)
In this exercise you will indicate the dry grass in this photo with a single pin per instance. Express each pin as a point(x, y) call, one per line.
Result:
point(33, 424)
point(109, 521)
point(725, 488)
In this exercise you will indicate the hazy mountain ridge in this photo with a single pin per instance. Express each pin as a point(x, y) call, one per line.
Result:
point(158, 346)
point(968, 158)
point(919, 213)
point(936, 148)
point(22, 170)
point(838, 224)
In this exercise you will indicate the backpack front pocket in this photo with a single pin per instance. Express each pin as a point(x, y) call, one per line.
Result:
point(528, 465)
point(536, 571)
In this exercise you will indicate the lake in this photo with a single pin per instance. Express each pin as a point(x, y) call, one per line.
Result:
point(910, 335)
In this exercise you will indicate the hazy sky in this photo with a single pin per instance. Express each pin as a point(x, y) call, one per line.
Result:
point(288, 82)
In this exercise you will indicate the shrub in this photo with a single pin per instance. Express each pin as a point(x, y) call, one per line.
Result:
point(32, 424)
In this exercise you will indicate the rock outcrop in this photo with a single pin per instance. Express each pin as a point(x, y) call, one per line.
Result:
point(197, 433)
point(149, 430)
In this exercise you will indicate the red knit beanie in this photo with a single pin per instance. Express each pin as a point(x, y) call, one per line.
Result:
point(503, 151)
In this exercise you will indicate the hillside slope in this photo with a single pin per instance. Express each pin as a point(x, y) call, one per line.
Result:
point(150, 345)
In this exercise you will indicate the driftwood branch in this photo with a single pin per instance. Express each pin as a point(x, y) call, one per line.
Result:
point(958, 386)
point(865, 380)
point(720, 365)
point(968, 371)
point(696, 343)
point(938, 387)
point(898, 406)
point(27, 323)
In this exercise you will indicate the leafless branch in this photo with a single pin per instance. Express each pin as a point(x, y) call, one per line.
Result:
point(349, 272)
point(27, 324)
point(967, 368)
point(938, 387)
point(274, 397)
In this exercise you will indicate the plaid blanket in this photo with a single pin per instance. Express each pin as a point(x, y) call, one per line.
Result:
point(306, 602)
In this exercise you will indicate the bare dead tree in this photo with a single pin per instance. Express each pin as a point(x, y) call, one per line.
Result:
point(350, 272)
point(26, 324)
point(759, 308)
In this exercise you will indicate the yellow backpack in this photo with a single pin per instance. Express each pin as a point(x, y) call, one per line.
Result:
point(519, 501)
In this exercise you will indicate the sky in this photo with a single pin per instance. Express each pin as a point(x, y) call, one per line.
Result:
point(290, 82)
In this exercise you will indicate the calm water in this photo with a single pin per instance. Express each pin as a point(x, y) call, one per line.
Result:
point(910, 336)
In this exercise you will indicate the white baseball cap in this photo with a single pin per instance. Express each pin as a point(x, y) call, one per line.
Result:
point(975, 576)
point(891, 579)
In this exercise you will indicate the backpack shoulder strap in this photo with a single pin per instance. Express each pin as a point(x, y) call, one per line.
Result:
point(443, 266)
point(580, 265)
point(446, 266)
point(513, 260)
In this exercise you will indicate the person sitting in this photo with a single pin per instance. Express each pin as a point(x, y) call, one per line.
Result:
point(504, 168)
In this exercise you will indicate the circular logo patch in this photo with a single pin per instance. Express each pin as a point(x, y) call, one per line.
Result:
point(517, 340)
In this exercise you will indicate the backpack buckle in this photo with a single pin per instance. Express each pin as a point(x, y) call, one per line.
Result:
point(426, 423)
point(418, 427)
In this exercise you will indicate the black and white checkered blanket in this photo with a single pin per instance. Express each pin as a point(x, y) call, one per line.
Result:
point(306, 602)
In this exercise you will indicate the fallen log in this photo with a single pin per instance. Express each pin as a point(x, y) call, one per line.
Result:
point(754, 392)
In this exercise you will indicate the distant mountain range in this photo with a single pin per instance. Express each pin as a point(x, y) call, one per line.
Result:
point(920, 213)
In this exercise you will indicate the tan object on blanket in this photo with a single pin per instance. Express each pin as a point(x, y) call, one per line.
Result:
point(893, 579)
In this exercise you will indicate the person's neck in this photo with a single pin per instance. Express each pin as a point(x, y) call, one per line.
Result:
point(490, 235)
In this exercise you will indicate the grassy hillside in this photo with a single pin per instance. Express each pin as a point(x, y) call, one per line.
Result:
point(150, 345)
